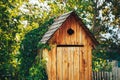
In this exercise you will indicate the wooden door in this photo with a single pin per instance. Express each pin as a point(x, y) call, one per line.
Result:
point(69, 63)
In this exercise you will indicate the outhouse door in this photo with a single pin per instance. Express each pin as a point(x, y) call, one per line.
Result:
point(69, 63)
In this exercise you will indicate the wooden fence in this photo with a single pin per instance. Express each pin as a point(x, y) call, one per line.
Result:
point(114, 75)
point(104, 76)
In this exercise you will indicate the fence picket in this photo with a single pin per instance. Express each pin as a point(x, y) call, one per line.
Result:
point(103, 75)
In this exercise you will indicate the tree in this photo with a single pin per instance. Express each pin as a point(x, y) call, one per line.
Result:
point(8, 43)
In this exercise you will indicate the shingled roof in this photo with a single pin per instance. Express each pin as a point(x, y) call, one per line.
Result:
point(58, 22)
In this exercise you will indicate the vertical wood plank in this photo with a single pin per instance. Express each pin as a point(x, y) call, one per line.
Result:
point(76, 63)
point(59, 63)
point(86, 60)
point(86, 63)
point(82, 54)
point(118, 73)
point(89, 62)
point(53, 63)
point(57, 37)
point(67, 36)
point(83, 39)
point(71, 64)
point(93, 75)
point(79, 40)
point(79, 34)
point(111, 76)
point(65, 63)
point(48, 64)
point(73, 26)
point(81, 65)
point(61, 36)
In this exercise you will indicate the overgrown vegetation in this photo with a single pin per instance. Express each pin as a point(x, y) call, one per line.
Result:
point(32, 65)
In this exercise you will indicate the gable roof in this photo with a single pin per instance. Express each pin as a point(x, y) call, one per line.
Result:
point(58, 22)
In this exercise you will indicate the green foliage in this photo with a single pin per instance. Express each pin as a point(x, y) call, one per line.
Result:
point(103, 53)
point(38, 71)
point(8, 44)
point(30, 46)
point(99, 62)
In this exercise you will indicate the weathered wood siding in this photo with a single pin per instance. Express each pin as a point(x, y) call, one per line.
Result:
point(69, 62)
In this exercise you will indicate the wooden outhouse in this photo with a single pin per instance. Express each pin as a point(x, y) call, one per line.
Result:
point(70, 57)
